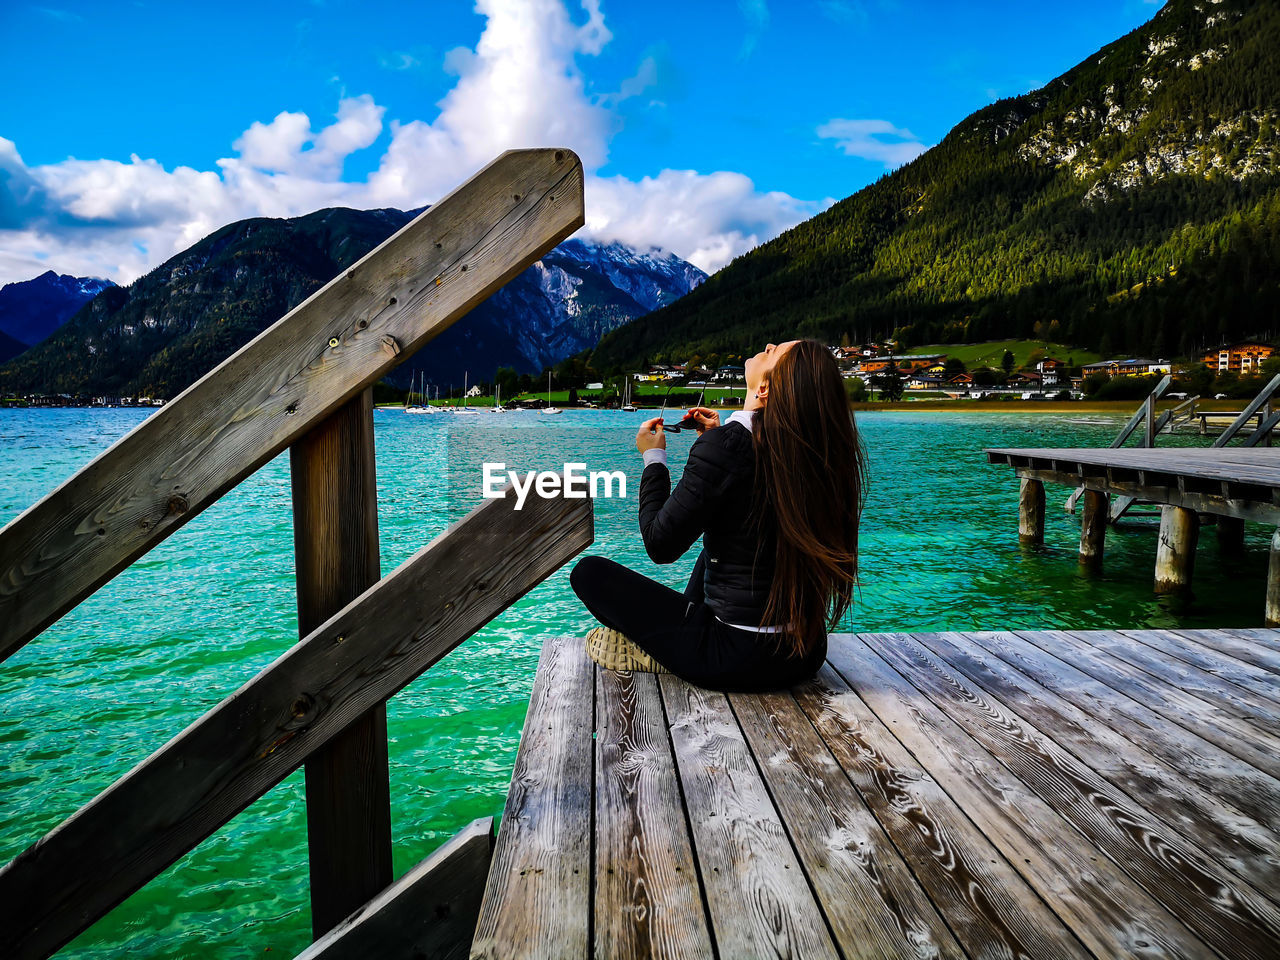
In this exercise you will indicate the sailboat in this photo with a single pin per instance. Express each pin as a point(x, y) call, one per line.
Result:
point(464, 408)
point(549, 408)
point(418, 407)
point(497, 399)
point(627, 406)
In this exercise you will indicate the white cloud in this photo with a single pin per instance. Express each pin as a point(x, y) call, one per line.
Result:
point(877, 140)
point(520, 86)
point(706, 218)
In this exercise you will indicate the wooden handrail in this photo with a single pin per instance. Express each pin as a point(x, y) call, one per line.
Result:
point(260, 734)
point(1145, 411)
point(1249, 412)
point(285, 381)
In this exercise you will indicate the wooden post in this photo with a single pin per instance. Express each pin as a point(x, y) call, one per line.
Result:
point(1093, 529)
point(1230, 536)
point(1031, 513)
point(1176, 552)
point(335, 525)
point(1150, 436)
point(1272, 618)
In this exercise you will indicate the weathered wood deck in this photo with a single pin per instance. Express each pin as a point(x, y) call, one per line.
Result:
point(1033, 795)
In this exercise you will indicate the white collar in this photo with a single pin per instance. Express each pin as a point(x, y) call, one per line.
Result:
point(745, 417)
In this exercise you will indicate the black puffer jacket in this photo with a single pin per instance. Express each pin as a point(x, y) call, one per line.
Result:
point(713, 500)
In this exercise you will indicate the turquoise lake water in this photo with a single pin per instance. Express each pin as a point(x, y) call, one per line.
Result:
point(214, 604)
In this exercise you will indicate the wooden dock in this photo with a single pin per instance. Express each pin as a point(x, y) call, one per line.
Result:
point(1230, 484)
point(1034, 795)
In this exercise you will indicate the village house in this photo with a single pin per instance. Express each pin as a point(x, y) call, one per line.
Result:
point(924, 381)
point(1126, 368)
point(1243, 357)
point(1049, 369)
point(913, 362)
point(729, 371)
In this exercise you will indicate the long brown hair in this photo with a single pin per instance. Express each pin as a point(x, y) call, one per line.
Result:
point(810, 478)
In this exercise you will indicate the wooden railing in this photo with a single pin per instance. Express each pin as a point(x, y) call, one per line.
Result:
point(1259, 407)
point(305, 382)
point(1145, 414)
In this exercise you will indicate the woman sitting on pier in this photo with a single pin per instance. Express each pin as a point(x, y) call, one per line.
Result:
point(775, 493)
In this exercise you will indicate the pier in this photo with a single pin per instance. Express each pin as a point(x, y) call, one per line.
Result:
point(1029, 794)
point(1229, 484)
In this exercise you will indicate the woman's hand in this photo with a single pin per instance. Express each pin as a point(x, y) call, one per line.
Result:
point(651, 435)
point(704, 419)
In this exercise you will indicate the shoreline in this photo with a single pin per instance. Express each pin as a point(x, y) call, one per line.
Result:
point(1118, 407)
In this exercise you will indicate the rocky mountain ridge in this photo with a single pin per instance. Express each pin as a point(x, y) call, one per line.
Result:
point(172, 325)
point(30, 310)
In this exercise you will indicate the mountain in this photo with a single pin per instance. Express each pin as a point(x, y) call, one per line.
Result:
point(169, 327)
point(10, 347)
point(1130, 206)
point(33, 309)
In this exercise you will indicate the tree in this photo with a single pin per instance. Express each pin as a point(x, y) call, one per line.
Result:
point(508, 380)
point(955, 365)
point(889, 384)
point(1094, 382)
point(1007, 361)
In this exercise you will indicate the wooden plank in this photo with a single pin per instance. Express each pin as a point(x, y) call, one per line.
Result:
point(1110, 914)
point(757, 895)
point(1255, 465)
point(992, 910)
point(1265, 638)
point(1242, 647)
point(1236, 782)
point(1243, 738)
point(289, 378)
point(874, 905)
point(1246, 691)
point(647, 899)
point(335, 535)
point(265, 730)
point(1223, 910)
point(429, 912)
point(537, 902)
point(1245, 846)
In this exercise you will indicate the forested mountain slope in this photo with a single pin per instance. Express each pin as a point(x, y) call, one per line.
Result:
point(1131, 205)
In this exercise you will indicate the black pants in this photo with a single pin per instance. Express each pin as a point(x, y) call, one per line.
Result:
point(681, 633)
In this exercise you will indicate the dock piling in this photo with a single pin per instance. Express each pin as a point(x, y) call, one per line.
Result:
point(1176, 552)
point(1272, 618)
point(1031, 513)
point(1093, 529)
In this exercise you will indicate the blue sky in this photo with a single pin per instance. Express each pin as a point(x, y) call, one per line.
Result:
point(133, 129)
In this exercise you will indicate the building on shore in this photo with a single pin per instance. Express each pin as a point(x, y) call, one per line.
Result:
point(1243, 357)
point(1133, 367)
